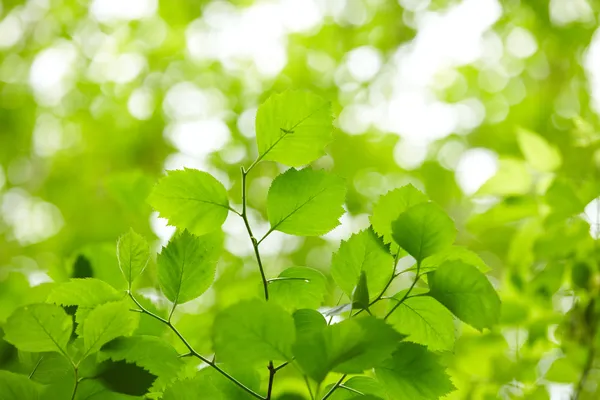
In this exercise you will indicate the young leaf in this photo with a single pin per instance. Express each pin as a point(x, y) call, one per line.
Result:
point(105, 323)
point(389, 207)
point(133, 254)
point(84, 292)
point(414, 373)
point(424, 230)
point(425, 321)
point(360, 296)
point(298, 287)
point(512, 179)
point(186, 266)
point(305, 202)
point(363, 252)
point(467, 293)
point(348, 347)
point(253, 331)
point(293, 128)
point(18, 387)
point(38, 328)
point(537, 151)
point(191, 199)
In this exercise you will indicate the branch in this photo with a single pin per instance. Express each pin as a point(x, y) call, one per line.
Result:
point(244, 216)
point(192, 351)
point(272, 372)
point(417, 276)
point(337, 385)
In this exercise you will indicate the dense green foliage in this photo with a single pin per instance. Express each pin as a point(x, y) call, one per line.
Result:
point(325, 239)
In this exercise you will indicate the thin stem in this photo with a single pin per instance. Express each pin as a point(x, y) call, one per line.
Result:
point(417, 276)
point(265, 236)
point(194, 352)
point(334, 387)
point(392, 277)
point(272, 372)
point(235, 211)
point(252, 238)
point(76, 374)
point(172, 311)
point(288, 278)
point(36, 367)
point(310, 392)
point(285, 364)
point(348, 388)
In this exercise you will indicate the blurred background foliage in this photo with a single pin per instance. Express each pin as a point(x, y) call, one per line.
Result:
point(489, 106)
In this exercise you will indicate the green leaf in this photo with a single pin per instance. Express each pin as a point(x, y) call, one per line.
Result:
point(253, 331)
point(18, 387)
point(210, 385)
point(414, 373)
point(360, 296)
point(467, 293)
point(349, 347)
point(425, 321)
point(149, 352)
point(563, 370)
point(537, 151)
point(192, 200)
point(389, 207)
point(47, 368)
point(38, 328)
point(83, 292)
point(305, 202)
point(424, 230)
point(105, 323)
point(293, 128)
point(511, 179)
point(363, 252)
point(133, 254)
point(308, 322)
point(454, 253)
point(298, 287)
point(186, 266)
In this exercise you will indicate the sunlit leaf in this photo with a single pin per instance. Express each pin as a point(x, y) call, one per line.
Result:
point(293, 127)
point(186, 266)
point(105, 323)
point(84, 292)
point(414, 373)
point(350, 346)
point(537, 151)
point(363, 252)
point(191, 199)
point(467, 293)
point(425, 321)
point(39, 327)
point(253, 331)
point(511, 179)
point(389, 207)
point(133, 254)
point(298, 287)
point(424, 230)
point(305, 202)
